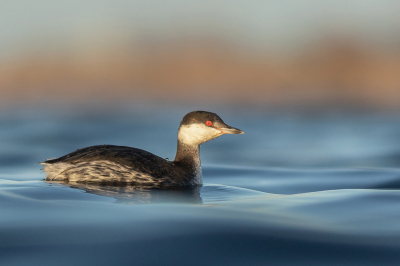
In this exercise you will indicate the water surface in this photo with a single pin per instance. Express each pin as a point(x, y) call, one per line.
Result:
point(293, 190)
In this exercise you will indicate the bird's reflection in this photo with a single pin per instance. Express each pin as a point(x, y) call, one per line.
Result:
point(133, 194)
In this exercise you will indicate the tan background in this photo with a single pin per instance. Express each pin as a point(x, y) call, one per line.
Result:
point(344, 54)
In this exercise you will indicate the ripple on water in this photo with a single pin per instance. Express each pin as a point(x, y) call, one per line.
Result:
point(238, 219)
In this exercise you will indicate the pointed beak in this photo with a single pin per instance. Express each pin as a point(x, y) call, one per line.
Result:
point(230, 130)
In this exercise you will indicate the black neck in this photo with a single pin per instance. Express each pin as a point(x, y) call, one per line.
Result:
point(188, 156)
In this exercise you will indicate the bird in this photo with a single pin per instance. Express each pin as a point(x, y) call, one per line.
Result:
point(122, 165)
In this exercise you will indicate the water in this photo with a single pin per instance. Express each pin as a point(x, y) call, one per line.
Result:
point(293, 190)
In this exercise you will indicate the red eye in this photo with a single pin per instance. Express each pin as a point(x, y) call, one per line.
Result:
point(209, 123)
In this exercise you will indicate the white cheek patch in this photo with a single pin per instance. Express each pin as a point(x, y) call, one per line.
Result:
point(196, 134)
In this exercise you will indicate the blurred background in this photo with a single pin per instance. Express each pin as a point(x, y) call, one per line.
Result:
point(309, 53)
point(313, 83)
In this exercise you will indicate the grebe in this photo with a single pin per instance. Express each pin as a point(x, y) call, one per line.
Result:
point(119, 164)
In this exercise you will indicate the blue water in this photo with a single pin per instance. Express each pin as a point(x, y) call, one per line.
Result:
point(295, 189)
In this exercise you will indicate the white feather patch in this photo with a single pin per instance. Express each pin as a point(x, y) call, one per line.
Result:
point(196, 134)
point(53, 170)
